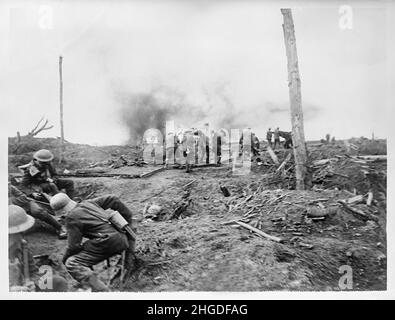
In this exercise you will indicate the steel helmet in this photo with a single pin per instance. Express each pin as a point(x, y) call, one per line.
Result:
point(154, 209)
point(18, 219)
point(43, 155)
point(61, 203)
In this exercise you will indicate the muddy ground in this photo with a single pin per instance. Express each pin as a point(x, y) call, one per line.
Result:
point(202, 250)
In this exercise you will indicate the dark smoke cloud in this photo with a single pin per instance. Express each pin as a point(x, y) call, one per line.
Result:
point(145, 110)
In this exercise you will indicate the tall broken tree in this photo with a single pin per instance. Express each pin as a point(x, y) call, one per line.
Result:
point(26, 139)
point(298, 139)
point(61, 109)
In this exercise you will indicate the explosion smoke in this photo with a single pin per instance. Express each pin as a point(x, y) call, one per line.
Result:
point(143, 111)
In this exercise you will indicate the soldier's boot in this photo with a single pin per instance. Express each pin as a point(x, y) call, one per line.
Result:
point(96, 284)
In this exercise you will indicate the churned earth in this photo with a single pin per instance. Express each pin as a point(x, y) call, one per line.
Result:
point(203, 250)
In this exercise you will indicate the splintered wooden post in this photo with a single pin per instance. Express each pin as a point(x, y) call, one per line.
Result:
point(61, 108)
point(298, 139)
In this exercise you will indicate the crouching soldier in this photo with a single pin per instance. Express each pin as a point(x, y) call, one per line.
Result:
point(23, 272)
point(40, 173)
point(89, 219)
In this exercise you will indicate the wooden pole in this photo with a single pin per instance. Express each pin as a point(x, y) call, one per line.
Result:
point(61, 108)
point(298, 139)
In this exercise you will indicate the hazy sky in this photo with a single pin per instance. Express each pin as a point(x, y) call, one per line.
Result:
point(226, 58)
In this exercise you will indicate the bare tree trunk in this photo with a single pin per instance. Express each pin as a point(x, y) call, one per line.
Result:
point(61, 109)
point(298, 139)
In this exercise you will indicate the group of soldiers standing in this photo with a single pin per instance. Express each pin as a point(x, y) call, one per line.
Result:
point(275, 135)
point(44, 196)
point(193, 146)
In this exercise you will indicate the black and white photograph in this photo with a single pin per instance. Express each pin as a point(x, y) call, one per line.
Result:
point(196, 147)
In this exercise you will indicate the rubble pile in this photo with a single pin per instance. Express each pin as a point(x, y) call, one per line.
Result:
point(355, 174)
point(294, 217)
point(210, 225)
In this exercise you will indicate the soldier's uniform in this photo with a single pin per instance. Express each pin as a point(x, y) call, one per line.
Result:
point(217, 146)
point(45, 178)
point(269, 135)
point(254, 144)
point(18, 198)
point(16, 263)
point(276, 138)
point(89, 219)
point(288, 139)
point(23, 272)
point(188, 149)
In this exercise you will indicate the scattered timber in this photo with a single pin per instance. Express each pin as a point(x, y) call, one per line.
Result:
point(370, 198)
point(272, 155)
point(151, 173)
point(373, 157)
point(100, 175)
point(355, 199)
point(260, 232)
point(284, 162)
point(358, 213)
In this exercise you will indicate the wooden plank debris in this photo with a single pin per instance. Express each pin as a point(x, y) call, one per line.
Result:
point(272, 155)
point(370, 198)
point(284, 162)
point(358, 213)
point(356, 199)
point(151, 173)
point(100, 175)
point(373, 157)
point(240, 203)
point(260, 232)
point(322, 162)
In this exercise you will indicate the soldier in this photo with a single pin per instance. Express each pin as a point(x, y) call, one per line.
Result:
point(18, 198)
point(40, 174)
point(88, 219)
point(276, 137)
point(269, 135)
point(254, 144)
point(23, 272)
point(188, 149)
point(327, 138)
point(246, 145)
point(171, 147)
point(217, 146)
point(288, 139)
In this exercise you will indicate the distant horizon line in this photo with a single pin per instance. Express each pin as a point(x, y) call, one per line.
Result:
point(126, 143)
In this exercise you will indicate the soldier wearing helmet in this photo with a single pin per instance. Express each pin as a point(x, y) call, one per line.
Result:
point(187, 146)
point(41, 176)
point(23, 272)
point(269, 135)
point(88, 219)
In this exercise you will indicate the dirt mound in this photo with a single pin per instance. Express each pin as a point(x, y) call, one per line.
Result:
point(74, 156)
point(207, 246)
